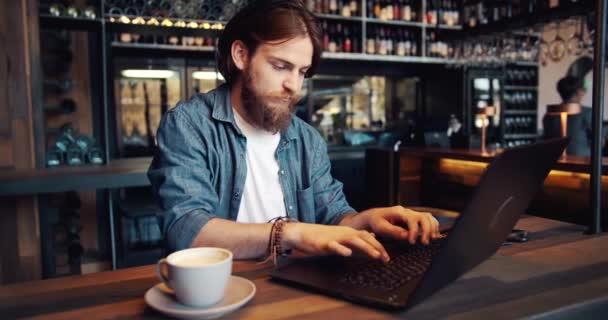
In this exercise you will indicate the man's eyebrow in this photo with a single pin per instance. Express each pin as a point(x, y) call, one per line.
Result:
point(287, 62)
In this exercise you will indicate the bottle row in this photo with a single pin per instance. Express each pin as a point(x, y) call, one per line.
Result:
point(200, 10)
point(175, 40)
point(341, 37)
point(345, 8)
point(439, 49)
point(476, 13)
point(517, 142)
point(523, 77)
point(520, 100)
point(520, 125)
point(392, 41)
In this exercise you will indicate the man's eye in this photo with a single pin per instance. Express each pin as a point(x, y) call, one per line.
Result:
point(280, 67)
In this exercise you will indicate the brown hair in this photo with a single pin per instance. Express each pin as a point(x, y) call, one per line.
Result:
point(265, 21)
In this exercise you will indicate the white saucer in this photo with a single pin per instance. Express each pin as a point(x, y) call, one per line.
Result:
point(238, 292)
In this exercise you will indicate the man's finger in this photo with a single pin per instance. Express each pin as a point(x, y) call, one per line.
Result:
point(435, 224)
point(339, 249)
point(362, 245)
point(412, 225)
point(376, 244)
point(426, 225)
point(387, 228)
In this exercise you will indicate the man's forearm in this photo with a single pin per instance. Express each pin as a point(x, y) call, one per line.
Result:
point(355, 220)
point(245, 240)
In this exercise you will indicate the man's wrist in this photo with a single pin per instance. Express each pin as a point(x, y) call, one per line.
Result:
point(359, 221)
point(291, 235)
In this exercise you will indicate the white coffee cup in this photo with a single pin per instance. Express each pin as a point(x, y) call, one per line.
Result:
point(198, 276)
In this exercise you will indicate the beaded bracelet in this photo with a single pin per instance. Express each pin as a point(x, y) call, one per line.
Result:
point(274, 241)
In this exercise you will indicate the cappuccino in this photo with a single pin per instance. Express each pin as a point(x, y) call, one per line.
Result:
point(198, 261)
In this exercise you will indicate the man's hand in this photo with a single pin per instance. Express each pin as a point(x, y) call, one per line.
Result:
point(315, 239)
point(387, 221)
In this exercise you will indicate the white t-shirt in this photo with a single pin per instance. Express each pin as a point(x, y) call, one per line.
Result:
point(262, 197)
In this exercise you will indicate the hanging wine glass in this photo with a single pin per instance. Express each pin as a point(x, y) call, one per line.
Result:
point(575, 43)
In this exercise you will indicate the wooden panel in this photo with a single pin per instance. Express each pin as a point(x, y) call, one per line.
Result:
point(6, 153)
point(28, 239)
point(8, 228)
point(20, 248)
point(5, 116)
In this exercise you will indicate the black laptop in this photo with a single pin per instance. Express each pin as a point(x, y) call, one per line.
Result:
point(418, 271)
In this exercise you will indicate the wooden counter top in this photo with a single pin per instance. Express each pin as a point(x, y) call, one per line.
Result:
point(569, 163)
point(558, 266)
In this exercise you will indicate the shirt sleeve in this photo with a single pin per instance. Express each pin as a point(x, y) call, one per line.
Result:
point(330, 203)
point(181, 180)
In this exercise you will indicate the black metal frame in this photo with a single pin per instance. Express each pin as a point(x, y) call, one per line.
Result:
point(599, 70)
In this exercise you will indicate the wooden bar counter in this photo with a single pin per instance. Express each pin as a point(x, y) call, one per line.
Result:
point(559, 266)
point(445, 178)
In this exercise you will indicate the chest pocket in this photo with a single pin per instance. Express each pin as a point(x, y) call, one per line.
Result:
point(306, 205)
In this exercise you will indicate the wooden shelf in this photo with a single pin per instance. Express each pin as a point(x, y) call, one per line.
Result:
point(119, 173)
point(384, 58)
point(521, 136)
point(528, 88)
point(338, 17)
point(520, 112)
point(67, 23)
point(395, 22)
point(151, 46)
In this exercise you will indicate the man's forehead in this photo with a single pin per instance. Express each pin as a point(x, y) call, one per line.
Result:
point(297, 51)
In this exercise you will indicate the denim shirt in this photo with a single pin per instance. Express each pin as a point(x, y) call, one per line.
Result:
point(198, 172)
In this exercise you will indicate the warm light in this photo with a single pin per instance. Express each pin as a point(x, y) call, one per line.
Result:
point(153, 22)
point(205, 25)
point(193, 25)
point(124, 19)
point(180, 24)
point(207, 75)
point(147, 73)
point(166, 23)
point(138, 20)
point(479, 121)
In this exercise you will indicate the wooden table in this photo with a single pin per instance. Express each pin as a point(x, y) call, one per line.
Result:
point(558, 266)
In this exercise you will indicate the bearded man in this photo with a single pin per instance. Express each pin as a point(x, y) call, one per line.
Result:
point(231, 161)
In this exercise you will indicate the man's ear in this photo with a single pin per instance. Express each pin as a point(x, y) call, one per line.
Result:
point(240, 54)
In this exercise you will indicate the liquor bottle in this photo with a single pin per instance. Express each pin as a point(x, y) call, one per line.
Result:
point(400, 43)
point(414, 42)
point(390, 43)
point(332, 38)
point(407, 44)
point(354, 8)
point(339, 36)
point(347, 45)
point(377, 9)
point(371, 42)
point(388, 10)
point(396, 10)
point(333, 6)
point(431, 13)
point(346, 8)
point(406, 10)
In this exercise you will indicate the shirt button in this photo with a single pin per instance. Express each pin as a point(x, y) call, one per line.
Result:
point(282, 172)
point(290, 208)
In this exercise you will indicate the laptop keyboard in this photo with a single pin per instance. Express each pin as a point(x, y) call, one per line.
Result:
point(405, 265)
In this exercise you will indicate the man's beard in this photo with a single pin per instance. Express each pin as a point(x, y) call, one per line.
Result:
point(272, 119)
